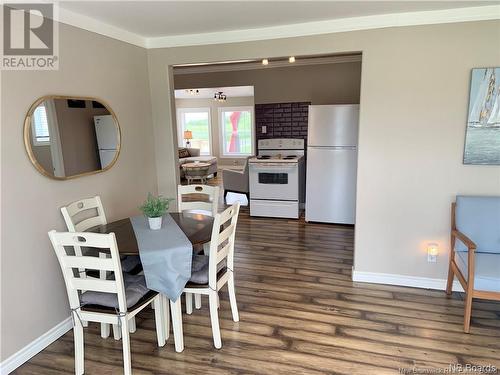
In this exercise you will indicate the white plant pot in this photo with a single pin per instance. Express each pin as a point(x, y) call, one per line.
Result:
point(154, 222)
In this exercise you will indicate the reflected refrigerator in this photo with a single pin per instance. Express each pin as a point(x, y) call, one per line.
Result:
point(332, 155)
point(107, 140)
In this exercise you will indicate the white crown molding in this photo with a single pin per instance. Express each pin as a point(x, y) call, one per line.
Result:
point(35, 347)
point(403, 280)
point(91, 24)
point(203, 68)
point(490, 12)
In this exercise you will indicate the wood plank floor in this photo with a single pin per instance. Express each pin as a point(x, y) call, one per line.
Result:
point(300, 313)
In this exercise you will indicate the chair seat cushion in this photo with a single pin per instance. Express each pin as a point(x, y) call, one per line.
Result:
point(486, 270)
point(132, 264)
point(135, 289)
point(199, 269)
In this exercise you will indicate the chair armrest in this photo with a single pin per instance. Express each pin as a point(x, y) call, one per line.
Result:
point(466, 240)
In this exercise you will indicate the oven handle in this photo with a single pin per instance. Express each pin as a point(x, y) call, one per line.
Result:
point(280, 165)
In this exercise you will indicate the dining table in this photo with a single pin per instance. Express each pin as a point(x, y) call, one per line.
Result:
point(198, 229)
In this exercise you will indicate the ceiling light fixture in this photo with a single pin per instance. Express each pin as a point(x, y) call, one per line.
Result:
point(193, 91)
point(291, 59)
point(220, 97)
point(265, 61)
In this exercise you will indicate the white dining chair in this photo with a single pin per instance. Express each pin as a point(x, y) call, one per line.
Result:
point(208, 206)
point(80, 216)
point(112, 301)
point(211, 273)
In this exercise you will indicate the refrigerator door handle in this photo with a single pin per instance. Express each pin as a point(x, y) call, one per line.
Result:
point(332, 147)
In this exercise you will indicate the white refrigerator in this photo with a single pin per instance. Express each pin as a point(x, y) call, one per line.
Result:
point(107, 138)
point(332, 155)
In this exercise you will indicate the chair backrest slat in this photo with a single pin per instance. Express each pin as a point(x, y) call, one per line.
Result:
point(226, 220)
point(71, 261)
point(96, 285)
point(73, 209)
point(93, 263)
point(210, 204)
point(226, 233)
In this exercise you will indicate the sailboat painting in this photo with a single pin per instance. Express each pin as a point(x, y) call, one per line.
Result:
point(482, 138)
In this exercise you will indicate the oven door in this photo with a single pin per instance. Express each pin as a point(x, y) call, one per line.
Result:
point(278, 181)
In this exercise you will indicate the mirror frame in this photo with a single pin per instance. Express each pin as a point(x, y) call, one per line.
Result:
point(27, 135)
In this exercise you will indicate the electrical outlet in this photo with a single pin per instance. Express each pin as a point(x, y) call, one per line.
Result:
point(431, 258)
point(264, 129)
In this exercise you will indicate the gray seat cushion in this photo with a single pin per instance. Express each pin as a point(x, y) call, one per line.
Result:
point(135, 289)
point(199, 269)
point(130, 262)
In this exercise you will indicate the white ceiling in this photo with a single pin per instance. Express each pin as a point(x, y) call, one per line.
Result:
point(167, 18)
point(230, 92)
point(186, 22)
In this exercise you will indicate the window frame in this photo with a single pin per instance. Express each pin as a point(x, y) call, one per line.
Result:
point(246, 108)
point(180, 125)
point(34, 136)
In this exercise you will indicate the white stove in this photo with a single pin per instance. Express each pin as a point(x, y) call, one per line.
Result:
point(277, 178)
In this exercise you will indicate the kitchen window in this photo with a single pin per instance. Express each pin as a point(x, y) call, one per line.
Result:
point(197, 121)
point(237, 131)
point(41, 136)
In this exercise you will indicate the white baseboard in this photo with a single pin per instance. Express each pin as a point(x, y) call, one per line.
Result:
point(403, 280)
point(35, 347)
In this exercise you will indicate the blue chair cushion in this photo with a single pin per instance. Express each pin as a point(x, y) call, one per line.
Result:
point(479, 219)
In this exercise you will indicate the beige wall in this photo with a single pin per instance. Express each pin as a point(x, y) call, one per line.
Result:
point(214, 121)
point(414, 94)
point(320, 84)
point(33, 294)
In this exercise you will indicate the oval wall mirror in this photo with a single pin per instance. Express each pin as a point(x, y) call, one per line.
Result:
point(68, 137)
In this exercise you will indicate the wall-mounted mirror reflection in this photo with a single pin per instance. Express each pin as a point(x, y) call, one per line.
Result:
point(68, 137)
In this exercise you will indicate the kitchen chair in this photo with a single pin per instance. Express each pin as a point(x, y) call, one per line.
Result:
point(475, 257)
point(86, 213)
point(236, 181)
point(210, 274)
point(111, 301)
point(209, 206)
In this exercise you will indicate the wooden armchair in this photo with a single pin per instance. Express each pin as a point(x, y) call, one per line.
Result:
point(475, 257)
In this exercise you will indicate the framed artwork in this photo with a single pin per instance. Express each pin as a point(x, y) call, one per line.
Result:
point(482, 136)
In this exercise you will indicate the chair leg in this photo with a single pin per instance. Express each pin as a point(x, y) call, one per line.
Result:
point(176, 311)
point(127, 361)
point(197, 301)
point(214, 318)
point(449, 283)
point(189, 303)
point(104, 330)
point(160, 321)
point(132, 327)
point(232, 298)
point(468, 311)
point(116, 332)
point(79, 348)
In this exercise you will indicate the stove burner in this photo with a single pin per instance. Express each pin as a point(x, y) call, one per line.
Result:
point(263, 157)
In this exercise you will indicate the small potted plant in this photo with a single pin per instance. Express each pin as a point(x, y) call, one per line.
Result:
point(154, 207)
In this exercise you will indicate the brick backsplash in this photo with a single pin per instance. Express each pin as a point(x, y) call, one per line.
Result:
point(283, 120)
